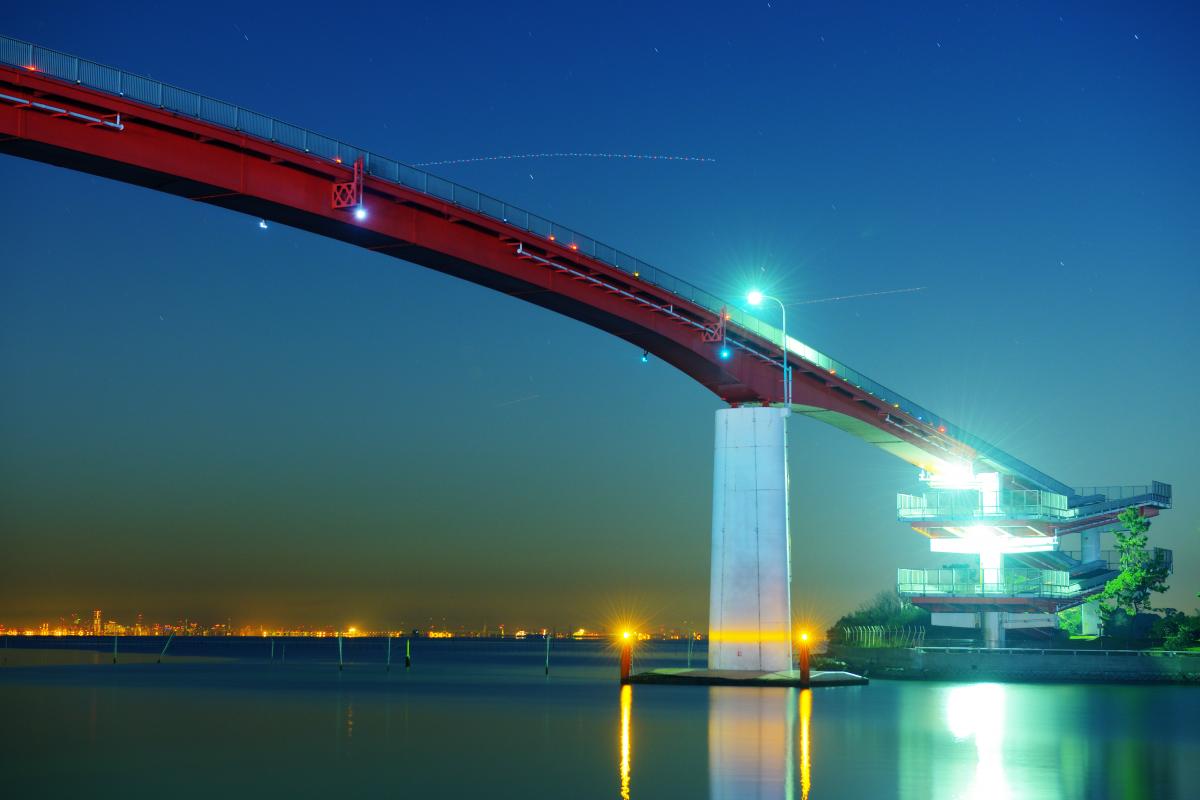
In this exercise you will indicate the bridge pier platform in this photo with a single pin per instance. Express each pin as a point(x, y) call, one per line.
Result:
point(750, 603)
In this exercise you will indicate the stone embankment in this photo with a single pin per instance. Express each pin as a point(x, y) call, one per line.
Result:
point(1021, 664)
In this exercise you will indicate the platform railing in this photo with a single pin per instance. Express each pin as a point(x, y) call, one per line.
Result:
point(1002, 582)
point(973, 504)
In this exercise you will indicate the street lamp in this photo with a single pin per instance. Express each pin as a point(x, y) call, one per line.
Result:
point(755, 298)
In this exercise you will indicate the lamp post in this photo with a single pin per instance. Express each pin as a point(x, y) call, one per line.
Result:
point(755, 298)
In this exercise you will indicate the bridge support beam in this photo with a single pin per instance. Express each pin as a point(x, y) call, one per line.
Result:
point(750, 600)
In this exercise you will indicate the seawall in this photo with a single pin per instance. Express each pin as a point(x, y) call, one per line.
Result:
point(1021, 664)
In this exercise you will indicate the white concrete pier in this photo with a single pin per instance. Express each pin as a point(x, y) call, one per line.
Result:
point(1089, 545)
point(750, 600)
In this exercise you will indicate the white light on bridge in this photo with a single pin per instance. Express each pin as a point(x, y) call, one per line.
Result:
point(360, 213)
point(755, 297)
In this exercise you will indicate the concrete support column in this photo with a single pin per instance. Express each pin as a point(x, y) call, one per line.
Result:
point(992, 623)
point(750, 598)
point(1089, 618)
point(991, 569)
point(1089, 546)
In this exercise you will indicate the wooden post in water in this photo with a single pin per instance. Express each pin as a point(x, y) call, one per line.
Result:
point(626, 656)
point(114, 648)
point(339, 651)
point(165, 646)
point(804, 673)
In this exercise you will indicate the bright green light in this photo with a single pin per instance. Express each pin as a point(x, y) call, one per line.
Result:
point(755, 297)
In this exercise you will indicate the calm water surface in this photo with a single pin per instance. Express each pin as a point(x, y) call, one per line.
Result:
point(479, 719)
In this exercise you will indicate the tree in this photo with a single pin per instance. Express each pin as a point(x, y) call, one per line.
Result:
point(1142, 572)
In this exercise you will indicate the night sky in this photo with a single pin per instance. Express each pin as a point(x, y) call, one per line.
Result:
point(202, 418)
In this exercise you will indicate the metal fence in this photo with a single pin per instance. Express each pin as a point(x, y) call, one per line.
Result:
point(883, 635)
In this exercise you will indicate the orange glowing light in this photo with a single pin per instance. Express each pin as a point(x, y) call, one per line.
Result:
point(626, 634)
point(31, 67)
point(804, 637)
point(552, 237)
point(833, 372)
point(941, 428)
point(338, 159)
point(574, 246)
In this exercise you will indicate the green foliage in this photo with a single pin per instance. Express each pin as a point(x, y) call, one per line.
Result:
point(1178, 631)
point(887, 608)
point(1071, 620)
point(1142, 572)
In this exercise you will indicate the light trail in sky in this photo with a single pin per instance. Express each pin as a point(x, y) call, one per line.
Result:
point(853, 296)
point(521, 156)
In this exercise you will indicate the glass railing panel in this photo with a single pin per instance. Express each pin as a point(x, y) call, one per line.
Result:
point(412, 178)
point(141, 89)
point(97, 76)
point(224, 114)
point(491, 206)
point(180, 102)
point(440, 187)
point(289, 135)
point(606, 254)
point(15, 52)
point(539, 226)
point(467, 198)
point(516, 217)
point(58, 65)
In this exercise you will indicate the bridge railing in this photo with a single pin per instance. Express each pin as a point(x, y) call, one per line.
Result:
point(115, 81)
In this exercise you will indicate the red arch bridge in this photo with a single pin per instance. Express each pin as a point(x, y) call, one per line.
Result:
point(74, 113)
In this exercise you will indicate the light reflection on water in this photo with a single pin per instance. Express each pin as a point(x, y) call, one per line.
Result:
point(626, 719)
point(464, 725)
point(977, 711)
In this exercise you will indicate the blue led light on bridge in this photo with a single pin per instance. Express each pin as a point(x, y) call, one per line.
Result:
point(360, 213)
point(645, 356)
point(724, 353)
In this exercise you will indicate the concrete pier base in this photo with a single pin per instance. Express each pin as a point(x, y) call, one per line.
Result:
point(744, 677)
point(992, 623)
point(750, 604)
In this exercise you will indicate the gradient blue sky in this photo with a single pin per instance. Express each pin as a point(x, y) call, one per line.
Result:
point(199, 417)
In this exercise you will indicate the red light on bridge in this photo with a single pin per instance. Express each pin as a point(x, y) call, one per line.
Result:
point(574, 246)
point(941, 428)
point(552, 237)
point(338, 159)
point(31, 67)
point(833, 372)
